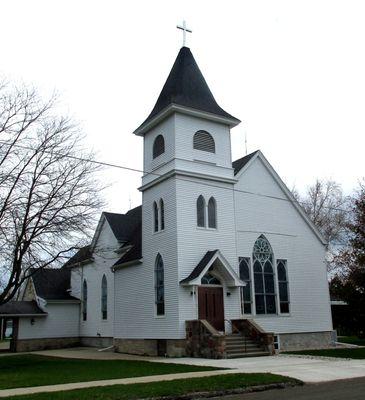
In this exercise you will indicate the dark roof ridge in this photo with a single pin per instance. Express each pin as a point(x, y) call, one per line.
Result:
point(200, 266)
point(238, 164)
point(52, 283)
point(123, 225)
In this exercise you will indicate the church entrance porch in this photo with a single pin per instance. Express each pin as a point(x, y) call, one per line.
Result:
point(211, 307)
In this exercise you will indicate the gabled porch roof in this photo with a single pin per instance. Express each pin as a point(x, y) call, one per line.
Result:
point(213, 259)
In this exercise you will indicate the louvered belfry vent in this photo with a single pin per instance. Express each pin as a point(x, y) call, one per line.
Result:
point(204, 141)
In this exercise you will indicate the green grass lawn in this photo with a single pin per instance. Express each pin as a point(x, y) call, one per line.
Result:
point(33, 370)
point(160, 389)
point(351, 340)
point(355, 353)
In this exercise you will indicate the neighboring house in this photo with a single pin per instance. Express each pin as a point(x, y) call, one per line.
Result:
point(217, 247)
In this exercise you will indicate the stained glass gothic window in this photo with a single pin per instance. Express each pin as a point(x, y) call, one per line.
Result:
point(264, 284)
point(84, 300)
point(283, 286)
point(104, 298)
point(159, 286)
point(200, 211)
point(162, 215)
point(155, 217)
point(212, 213)
point(209, 279)
point(245, 276)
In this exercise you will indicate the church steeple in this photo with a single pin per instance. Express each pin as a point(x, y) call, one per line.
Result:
point(186, 91)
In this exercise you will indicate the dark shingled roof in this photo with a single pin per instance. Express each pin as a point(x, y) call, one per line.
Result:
point(200, 267)
point(81, 255)
point(241, 162)
point(135, 253)
point(186, 86)
point(124, 225)
point(53, 284)
point(16, 308)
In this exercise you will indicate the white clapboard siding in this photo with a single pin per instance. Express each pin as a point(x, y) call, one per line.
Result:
point(292, 239)
point(62, 321)
point(135, 294)
point(194, 241)
point(104, 257)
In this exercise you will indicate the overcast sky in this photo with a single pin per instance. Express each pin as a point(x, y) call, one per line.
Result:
point(292, 71)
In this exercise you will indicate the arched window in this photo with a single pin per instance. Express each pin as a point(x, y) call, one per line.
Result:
point(159, 286)
point(158, 146)
point(204, 141)
point(209, 279)
point(84, 300)
point(264, 277)
point(104, 298)
point(283, 286)
point(155, 217)
point(245, 276)
point(200, 211)
point(212, 213)
point(162, 215)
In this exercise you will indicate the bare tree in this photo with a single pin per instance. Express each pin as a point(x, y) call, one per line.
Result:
point(328, 208)
point(48, 194)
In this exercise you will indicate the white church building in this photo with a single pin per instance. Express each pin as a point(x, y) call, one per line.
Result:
point(218, 261)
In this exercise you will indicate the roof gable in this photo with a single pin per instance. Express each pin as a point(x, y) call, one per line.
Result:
point(284, 189)
point(122, 226)
point(213, 259)
point(81, 256)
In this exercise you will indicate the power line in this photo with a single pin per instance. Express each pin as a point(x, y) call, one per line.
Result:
point(111, 165)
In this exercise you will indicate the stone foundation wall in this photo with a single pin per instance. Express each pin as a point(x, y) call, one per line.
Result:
point(101, 342)
point(151, 347)
point(46, 343)
point(306, 340)
point(176, 347)
point(201, 343)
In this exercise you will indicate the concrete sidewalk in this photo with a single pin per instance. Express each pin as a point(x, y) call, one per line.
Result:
point(307, 369)
point(109, 382)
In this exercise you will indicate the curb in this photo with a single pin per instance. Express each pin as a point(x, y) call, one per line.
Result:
point(227, 392)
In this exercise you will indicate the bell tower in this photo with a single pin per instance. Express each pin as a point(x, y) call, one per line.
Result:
point(187, 131)
point(187, 186)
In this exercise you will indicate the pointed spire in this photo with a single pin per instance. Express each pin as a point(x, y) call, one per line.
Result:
point(186, 87)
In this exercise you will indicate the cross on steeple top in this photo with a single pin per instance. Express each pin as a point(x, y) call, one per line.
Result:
point(184, 29)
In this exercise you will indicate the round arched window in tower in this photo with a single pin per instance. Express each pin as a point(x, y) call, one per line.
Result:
point(158, 146)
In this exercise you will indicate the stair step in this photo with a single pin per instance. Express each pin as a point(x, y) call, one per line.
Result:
point(241, 343)
point(250, 354)
point(242, 348)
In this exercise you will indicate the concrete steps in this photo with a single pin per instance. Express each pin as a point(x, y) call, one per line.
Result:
point(238, 346)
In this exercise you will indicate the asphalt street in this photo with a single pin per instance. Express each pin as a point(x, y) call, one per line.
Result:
point(349, 389)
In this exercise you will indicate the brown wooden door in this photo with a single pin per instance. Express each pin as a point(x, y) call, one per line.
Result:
point(210, 304)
